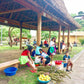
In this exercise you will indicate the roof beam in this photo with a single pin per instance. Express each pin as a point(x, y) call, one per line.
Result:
point(14, 10)
point(27, 5)
point(48, 15)
point(8, 2)
point(36, 21)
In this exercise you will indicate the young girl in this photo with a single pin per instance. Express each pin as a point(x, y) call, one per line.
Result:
point(45, 58)
point(26, 58)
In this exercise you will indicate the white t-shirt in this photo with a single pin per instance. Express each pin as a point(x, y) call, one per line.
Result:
point(44, 55)
point(52, 44)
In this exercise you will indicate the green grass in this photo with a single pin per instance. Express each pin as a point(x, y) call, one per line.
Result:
point(74, 51)
point(8, 48)
point(24, 76)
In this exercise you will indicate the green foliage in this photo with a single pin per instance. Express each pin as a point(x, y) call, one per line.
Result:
point(81, 41)
point(81, 22)
point(15, 32)
point(4, 31)
point(73, 15)
point(45, 34)
point(80, 13)
point(26, 33)
point(54, 34)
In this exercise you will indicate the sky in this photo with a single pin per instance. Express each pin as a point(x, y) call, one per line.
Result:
point(74, 6)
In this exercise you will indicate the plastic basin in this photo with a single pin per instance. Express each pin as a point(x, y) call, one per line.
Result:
point(45, 82)
point(58, 62)
point(10, 71)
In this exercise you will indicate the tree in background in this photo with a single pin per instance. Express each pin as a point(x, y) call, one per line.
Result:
point(13, 33)
point(80, 13)
point(80, 21)
point(26, 33)
point(45, 34)
point(10, 37)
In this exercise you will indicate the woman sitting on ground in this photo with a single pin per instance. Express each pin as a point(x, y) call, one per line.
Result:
point(44, 57)
point(26, 58)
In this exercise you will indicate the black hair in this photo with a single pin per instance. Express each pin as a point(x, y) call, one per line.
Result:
point(30, 48)
point(40, 50)
point(53, 38)
point(66, 52)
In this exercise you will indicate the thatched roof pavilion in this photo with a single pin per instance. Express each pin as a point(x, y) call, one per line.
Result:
point(26, 13)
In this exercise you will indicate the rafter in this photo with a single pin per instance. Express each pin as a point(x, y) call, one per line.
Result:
point(27, 5)
point(48, 14)
point(36, 21)
point(8, 2)
point(14, 10)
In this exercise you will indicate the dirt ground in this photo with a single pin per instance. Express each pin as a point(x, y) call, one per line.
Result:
point(9, 55)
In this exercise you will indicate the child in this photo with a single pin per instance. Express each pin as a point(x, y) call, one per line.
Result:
point(67, 60)
point(26, 58)
point(45, 58)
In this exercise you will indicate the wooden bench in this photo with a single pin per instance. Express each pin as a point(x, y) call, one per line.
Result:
point(13, 63)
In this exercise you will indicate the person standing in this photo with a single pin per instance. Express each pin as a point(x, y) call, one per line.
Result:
point(51, 48)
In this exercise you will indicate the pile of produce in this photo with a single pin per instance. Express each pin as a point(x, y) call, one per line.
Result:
point(56, 75)
point(43, 77)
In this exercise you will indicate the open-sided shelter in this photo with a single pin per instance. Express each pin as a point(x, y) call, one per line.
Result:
point(47, 15)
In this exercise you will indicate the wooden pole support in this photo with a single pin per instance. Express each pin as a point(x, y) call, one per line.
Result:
point(49, 36)
point(68, 39)
point(20, 37)
point(39, 30)
point(63, 36)
point(59, 38)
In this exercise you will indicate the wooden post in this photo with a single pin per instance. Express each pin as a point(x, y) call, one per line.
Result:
point(68, 39)
point(20, 37)
point(59, 38)
point(39, 30)
point(63, 35)
point(49, 36)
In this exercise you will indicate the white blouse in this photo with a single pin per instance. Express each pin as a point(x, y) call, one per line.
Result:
point(52, 44)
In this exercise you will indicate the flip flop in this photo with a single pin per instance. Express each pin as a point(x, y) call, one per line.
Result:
point(33, 71)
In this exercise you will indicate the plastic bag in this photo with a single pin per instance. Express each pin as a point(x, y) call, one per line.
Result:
point(37, 60)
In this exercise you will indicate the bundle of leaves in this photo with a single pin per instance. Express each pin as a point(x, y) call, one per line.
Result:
point(56, 75)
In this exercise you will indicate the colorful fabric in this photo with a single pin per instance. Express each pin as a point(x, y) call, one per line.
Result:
point(37, 50)
point(33, 53)
point(50, 50)
point(45, 42)
point(47, 60)
point(32, 57)
point(25, 53)
point(66, 57)
point(23, 59)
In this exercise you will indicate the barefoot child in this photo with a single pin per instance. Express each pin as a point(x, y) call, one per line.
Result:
point(45, 58)
point(26, 58)
point(67, 60)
